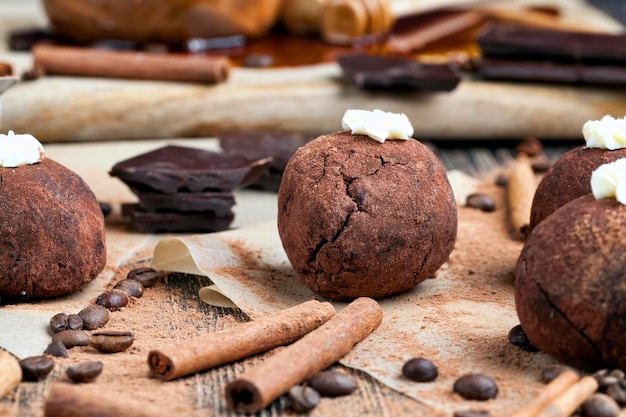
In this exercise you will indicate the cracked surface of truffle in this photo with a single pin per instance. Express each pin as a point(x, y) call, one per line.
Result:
point(361, 218)
point(52, 236)
point(569, 178)
point(570, 287)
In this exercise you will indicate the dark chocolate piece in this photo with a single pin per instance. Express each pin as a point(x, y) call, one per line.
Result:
point(379, 72)
point(553, 45)
point(173, 169)
point(545, 71)
point(175, 222)
point(219, 203)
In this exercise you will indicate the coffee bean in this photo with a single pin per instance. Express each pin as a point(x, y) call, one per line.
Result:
point(105, 208)
point(71, 338)
point(131, 287)
point(420, 370)
point(480, 201)
point(476, 387)
point(112, 299)
point(94, 316)
point(147, 276)
point(332, 383)
point(303, 398)
point(84, 372)
point(599, 405)
point(58, 322)
point(517, 337)
point(111, 341)
point(617, 391)
point(541, 166)
point(501, 180)
point(35, 368)
point(57, 349)
point(472, 413)
point(74, 322)
point(530, 146)
point(551, 372)
point(258, 61)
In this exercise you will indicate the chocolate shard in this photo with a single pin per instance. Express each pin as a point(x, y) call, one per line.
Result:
point(554, 45)
point(175, 222)
point(382, 72)
point(219, 203)
point(173, 169)
point(552, 72)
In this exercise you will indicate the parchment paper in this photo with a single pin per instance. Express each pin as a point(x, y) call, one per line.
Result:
point(460, 319)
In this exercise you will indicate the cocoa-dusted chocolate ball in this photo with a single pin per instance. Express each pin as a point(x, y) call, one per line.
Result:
point(361, 218)
point(52, 238)
point(570, 285)
point(568, 178)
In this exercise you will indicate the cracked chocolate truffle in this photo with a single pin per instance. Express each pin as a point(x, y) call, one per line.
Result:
point(570, 286)
point(362, 218)
point(52, 239)
point(568, 178)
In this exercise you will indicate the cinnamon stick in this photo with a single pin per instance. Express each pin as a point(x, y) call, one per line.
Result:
point(129, 64)
point(10, 372)
point(521, 186)
point(548, 394)
point(67, 400)
point(565, 404)
point(247, 339)
point(319, 349)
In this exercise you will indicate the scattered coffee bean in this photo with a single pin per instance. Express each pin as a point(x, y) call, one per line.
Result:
point(517, 337)
point(94, 316)
point(606, 377)
point(480, 201)
point(332, 383)
point(35, 368)
point(541, 165)
point(84, 372)
point(112, 299)
point(111, 341)
point(501, 180)
point(551, 372)
point(258, 61)
point(105, 208)
point(472, 413)
point(420, 370)
point(57, 349)
point(599, 405)
point(303, 398)
point(530, 146)
point(58, 322)
point(476, 387)
point(617, 391)
point(147, 276)
point(71, 338)
point(131, 287)
point(74, 322)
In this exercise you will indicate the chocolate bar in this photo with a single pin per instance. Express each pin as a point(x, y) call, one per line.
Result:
point(220, 203)
point(173, 169)
point(507, 41)
point(382, 72)
point(175, 222)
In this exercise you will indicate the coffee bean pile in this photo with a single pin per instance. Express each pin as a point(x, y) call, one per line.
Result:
point(71, 330)
point(305, 397)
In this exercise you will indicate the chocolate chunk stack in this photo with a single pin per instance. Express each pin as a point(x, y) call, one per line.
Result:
point(278, 145)
point(182, 189)
point(544, 55)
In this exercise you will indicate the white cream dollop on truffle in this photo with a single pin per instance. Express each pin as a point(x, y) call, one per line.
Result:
point(377, 124)
point(16, 150)
point(609, 181)
point(606, 133)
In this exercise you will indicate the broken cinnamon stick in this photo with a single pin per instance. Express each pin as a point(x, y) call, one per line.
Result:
point(10, 372)
point(565, 404)
point(521, 186)
point(93, 62)
point(66, 400)
point(548, 394)
point(247, 339)
point(319, 349)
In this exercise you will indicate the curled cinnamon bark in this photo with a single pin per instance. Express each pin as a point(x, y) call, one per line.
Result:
point(319, 349)
point(247, 339)
point(521, 186)
point(129, 64)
